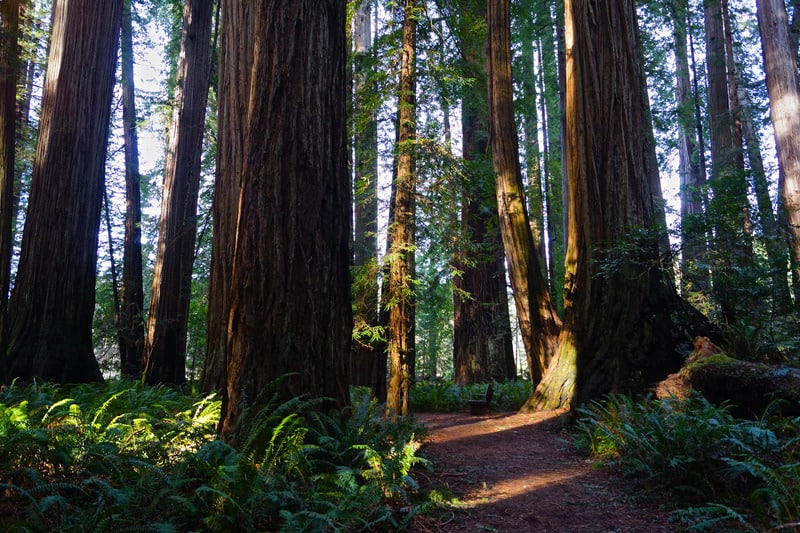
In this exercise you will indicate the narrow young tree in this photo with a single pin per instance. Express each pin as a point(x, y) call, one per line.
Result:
point(9, 73)
point(50, 327)
point(130, 322)
point(691, 168)
point(402, 229)
point(290, 307)
point(365, 234)
point(165, 345)
point(537, 318)
point(623, 319)
point(784, 98)
point(728, 207)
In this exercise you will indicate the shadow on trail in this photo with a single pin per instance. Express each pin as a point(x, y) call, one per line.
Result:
point(515, 472)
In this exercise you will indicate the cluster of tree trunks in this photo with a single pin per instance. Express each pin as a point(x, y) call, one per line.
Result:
point(280, 289)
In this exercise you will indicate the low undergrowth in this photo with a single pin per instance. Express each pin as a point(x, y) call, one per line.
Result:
point(123, 456)
point(720, 472)
point(444, 396)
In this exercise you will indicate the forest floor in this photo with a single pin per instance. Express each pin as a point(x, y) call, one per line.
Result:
point(512, 472)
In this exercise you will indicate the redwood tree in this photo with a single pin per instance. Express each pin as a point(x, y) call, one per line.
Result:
point(9, 73)
point(624, 324)
point(539, 324)
point(290, 305)
point(365, 231)
point(784, 98)
point(402, 227)
point(691, 170)
point(130, 322)
point(165, 345)
point(52, 304)
point(482, 342)
point(237, 38)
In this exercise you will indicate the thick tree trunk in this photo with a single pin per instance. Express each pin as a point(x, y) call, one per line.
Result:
point(51, 308)
point(784, 98)
point(402, 227)
point(290, 309)
point(365, 241)
point(9, 73)
point(130, 322)
point(619, 332)
point(237, 38)
point(538, 321)
point(165, 345)
point(694, 277)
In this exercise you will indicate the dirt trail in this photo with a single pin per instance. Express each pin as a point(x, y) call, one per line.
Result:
point(518, 472)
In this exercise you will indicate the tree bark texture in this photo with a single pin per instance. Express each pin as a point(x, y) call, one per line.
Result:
point(290, 305)
point(784, 99)
point(237, 37)
point(50, 326)
point(9, 73)
point(538, 321)
point(130, 322)
point(402, 264)
point(618, 333)
point(167, 322)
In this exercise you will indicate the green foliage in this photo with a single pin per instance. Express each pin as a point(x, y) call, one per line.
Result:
point(444, 396)
point(720, 470)
point(126, 456)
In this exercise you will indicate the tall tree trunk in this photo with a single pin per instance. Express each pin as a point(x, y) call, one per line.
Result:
point(402, 227)
point(794, 27)
point(538, 321)
point(51, 308)
point(130, 322)
point(237, 38)
point(290, 309)
point(9, 73)
point(784, 98)
point(165, 345)
point(365, 241)
point(482, 342)
point(619, 334)
point(526, 105)
point(552, 65)
point(729, 203)
point(774, 242)
point(694, 278)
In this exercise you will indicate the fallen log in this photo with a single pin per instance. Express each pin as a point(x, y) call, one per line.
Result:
point(748, 387)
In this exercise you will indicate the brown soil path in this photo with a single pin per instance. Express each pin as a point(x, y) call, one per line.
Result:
point(520, 472)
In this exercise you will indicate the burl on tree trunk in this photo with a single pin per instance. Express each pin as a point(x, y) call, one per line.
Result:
point(748, 387)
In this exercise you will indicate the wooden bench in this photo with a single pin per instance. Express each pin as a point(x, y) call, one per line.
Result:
point(479, 404)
